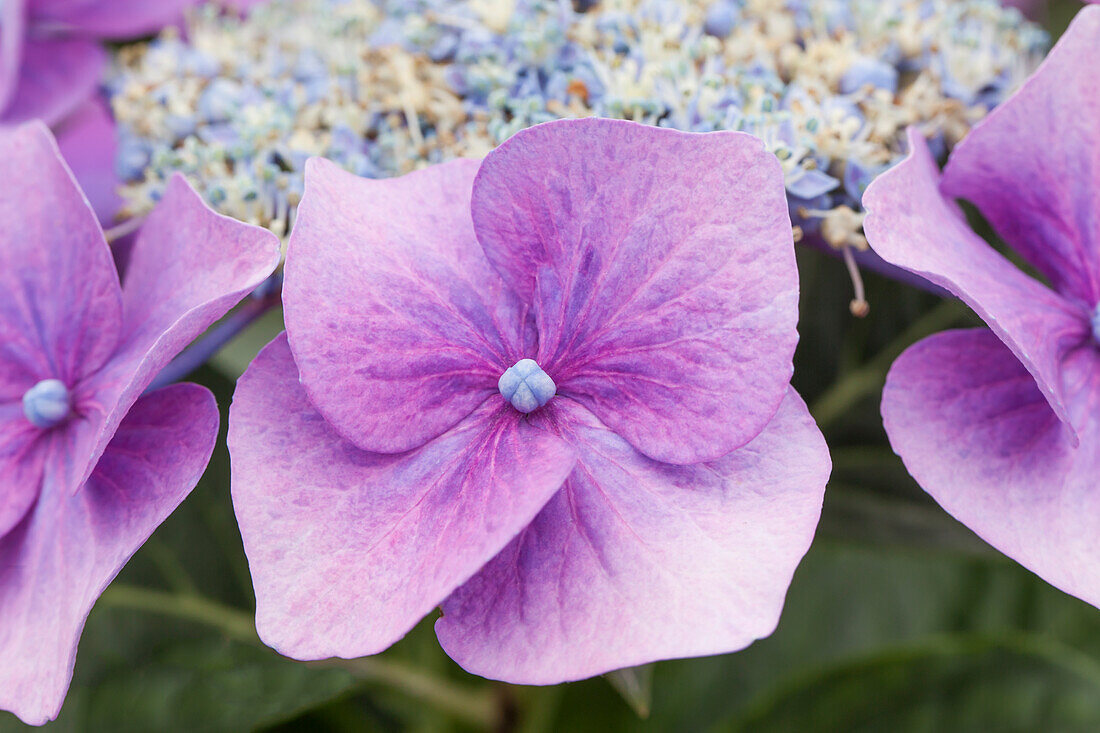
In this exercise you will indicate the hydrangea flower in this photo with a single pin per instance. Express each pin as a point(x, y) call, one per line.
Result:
point(90, 466)
point(1002, 427)
point(550, 392)
point(51, 63)
point(52, 56)
point(828, 85)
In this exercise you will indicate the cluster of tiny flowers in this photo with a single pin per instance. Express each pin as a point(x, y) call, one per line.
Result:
point(385, 87)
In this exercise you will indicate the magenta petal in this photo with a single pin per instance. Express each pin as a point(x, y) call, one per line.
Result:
point(910, 224)
point(22, 458)
point(635, 561)
point(61, 309)
point(1033, 165)
point(87, 142)
point(978, 436)
point(117, 19)
point(349, 549)
point(661, 265)
point(188, 267)
point(56, 563)
point(55, 77)
point(12, 31)
point(398, 325)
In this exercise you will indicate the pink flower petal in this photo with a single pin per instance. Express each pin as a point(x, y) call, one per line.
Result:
point(398, 325)
point(635, 561)
point(56, 563)
point(56, 76)
point(87, 142)
point(661, 267)
point(1033, 165)
point(13, 19)
point(116, 19)
point(975, 432)
point(61, 308)
point(188, 267)
point(22, 456)
point(349, 549)
point(910, 224)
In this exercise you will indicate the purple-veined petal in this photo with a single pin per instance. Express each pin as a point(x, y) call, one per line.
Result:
point(13, 19)
point(116, 19)
point(87, 142)
point(911, 224)
point(661, 266)
point(56, 76)
point(349, 549)
point(60, 301)
point(635, 561)
point(21, 460)
point(55, 564)
point(399, 326)
point(1033, 165)
point(978, 436)
point(187, 268)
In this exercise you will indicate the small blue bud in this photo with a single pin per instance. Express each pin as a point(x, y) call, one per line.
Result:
point(1096, 324)
point(869, 71)
point(721, 17)
point(809, 184)
point(47, 403)
point(526, 386)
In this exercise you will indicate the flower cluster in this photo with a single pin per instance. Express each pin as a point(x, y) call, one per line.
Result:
point(1002, 427)
point(549, 390)
point(90, 464)
point(384, 88)
point(549, 393)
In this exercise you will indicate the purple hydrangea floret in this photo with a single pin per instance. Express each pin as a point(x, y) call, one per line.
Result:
point(548, 392)
point(91, 466)
point(1002, 426)
point(53, 58)
point(52, 61)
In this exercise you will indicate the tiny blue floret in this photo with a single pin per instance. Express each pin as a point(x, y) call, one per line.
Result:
point(875, 72)
point(526, 386)
point(47, 404)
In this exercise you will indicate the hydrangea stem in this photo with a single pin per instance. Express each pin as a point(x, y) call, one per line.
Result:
point(476, 707)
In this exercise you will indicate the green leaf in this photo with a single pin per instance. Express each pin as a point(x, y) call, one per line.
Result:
point(208, 685)
point(963, 683)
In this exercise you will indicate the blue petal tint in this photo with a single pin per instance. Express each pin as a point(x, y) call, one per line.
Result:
point(721, 17)
point(869, 71)
point(47, 403)
point(526, 386)
point(809, 184)
point(1096, 324)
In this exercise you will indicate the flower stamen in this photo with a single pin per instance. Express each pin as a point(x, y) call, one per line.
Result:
point(526, 386)
point(47, 404)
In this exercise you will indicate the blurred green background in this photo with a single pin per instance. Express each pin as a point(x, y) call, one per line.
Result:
point(899, 619)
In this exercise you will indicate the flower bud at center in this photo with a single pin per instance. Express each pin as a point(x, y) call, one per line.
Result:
point(526, 386)
point(47, 404)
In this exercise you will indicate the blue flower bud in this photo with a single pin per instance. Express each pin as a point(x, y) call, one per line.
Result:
point(526, 386)
point(721, 17)
point(869, 71)
point(47, 403)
